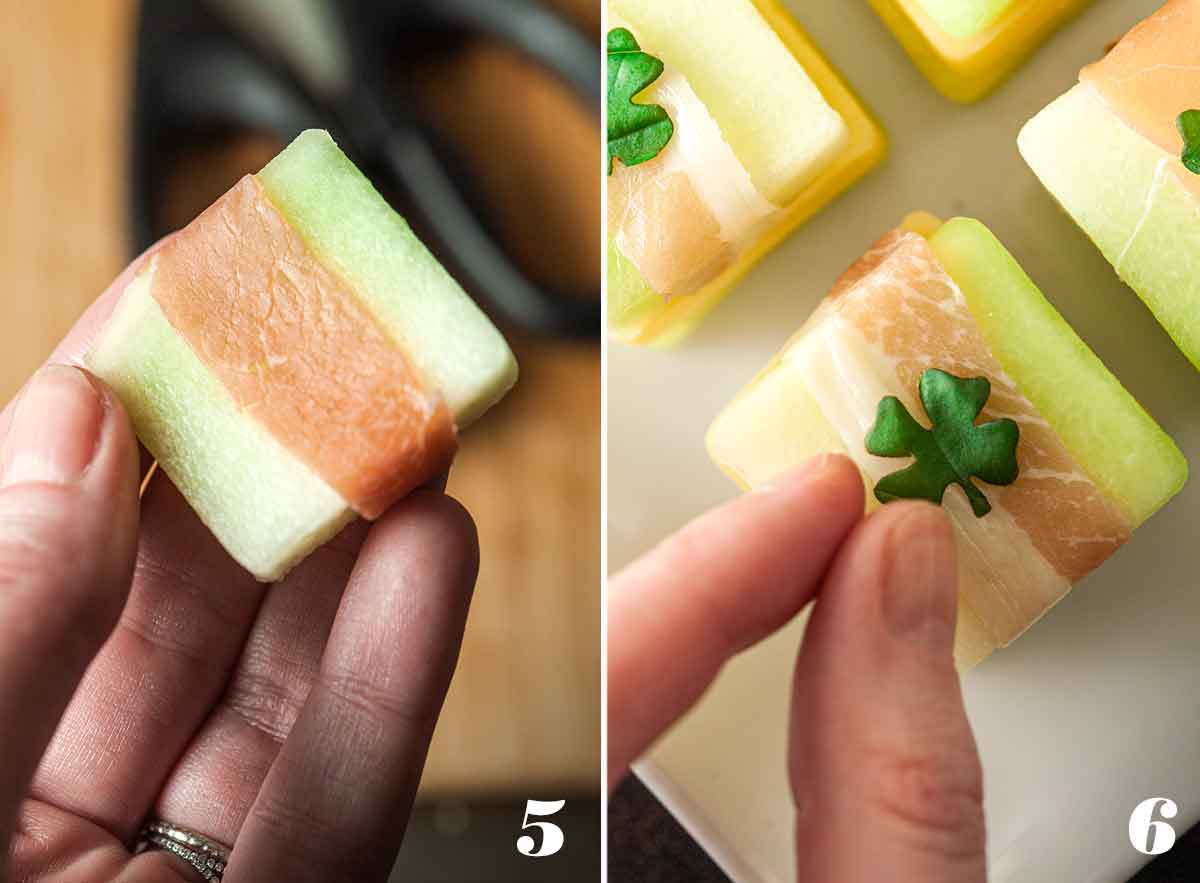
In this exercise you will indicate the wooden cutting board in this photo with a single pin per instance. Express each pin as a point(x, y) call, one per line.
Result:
point(523, 714)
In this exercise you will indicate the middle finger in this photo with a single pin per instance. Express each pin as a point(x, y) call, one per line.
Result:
point(158, 674)
point(218, 777)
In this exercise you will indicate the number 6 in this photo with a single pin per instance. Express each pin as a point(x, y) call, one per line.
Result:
point(552, 835)
point(1149, 835)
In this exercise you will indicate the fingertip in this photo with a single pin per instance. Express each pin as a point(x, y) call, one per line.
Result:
point(427, 529)
point(118, 455)
point(880, 740)
point(918, 514)
point(919, 586)
point(447, 517)
point(831, 481)
point(842, 483)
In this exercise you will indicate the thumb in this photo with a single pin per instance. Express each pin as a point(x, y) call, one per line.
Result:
point(68, 538)
point(883, 764)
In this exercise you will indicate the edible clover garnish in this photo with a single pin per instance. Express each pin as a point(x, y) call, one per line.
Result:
point(1188, 124)
point(636, 132)
point(952, 451)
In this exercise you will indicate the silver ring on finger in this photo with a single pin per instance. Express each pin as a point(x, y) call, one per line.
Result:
point(207, 857)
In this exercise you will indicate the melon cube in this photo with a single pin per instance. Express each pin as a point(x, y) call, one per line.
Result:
point(1093, 465)
point(765, 134)
point(1110, 152)
point(296, 357)
point(767, 106)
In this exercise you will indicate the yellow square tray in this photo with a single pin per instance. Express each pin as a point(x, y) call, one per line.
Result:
point(966, 70)
point(865, 149)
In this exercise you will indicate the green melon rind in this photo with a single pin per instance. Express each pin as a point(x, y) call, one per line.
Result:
point(1109, 434)
point(1102, 172)
point(964, 19)
point(631, 302)
point(263, 505)
point(354, 231)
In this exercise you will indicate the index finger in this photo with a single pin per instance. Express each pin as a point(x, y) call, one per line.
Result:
point(726, 581)
point(79, 339)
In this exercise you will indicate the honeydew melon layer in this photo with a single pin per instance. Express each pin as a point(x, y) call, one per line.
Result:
point(631, 301)
point(1108, 433)
point(353, 230)
point(772, 426)
point(1123, 191)
point(263, 505)
point(964, 18)
point(966, 69)
point(772, 114)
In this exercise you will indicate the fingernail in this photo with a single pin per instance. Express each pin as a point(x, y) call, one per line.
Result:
point(920, 586)
point(55, 429)
point(810, 468)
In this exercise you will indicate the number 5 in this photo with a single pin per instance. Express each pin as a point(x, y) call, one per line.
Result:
point(552, 835)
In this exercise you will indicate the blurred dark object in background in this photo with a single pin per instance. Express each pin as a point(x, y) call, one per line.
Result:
point(221, 85)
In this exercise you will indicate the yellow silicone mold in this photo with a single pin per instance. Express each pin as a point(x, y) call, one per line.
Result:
point(670, 320)
point(966, 69)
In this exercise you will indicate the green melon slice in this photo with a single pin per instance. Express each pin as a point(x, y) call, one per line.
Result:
point(631, 302)
point(964, 18)
point(354, 231)
point(1122, 190)
point(1108, 433)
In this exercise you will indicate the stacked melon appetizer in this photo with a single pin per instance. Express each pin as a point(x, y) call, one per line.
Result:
point(946, 304)
point(295, 358)
point(740, 162)
point(968, 47)
point(1112, 152)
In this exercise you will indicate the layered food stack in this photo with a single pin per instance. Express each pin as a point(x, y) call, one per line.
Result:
point(727, 129)
point(934, 330)
point(295, 358)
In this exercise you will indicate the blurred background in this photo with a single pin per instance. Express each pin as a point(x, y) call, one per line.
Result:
point(114, 131)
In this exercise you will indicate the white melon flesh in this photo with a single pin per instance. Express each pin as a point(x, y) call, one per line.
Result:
point(770, 428)
point(354, 232)
point(964, 18)
point(772, 114)
point(1124, 192)
point(264, 506)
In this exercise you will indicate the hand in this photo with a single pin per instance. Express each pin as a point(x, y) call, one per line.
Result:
point(143, 673)
point(884, 770)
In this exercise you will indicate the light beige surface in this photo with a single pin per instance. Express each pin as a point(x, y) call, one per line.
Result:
point(523, 712)
point(1091, 711)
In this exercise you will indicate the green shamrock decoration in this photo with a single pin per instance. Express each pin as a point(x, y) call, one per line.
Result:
point(1189, 128)
point(952, 451)
point(636, 132)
